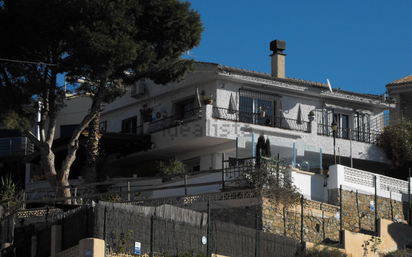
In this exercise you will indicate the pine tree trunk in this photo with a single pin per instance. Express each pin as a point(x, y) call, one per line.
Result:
point(92, 150)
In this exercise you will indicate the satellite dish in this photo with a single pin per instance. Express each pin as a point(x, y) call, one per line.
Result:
point(330, 87)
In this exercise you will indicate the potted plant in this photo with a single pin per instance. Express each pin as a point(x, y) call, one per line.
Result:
point(146, 113)
point(208, 99)
point(311, 116)
point(262, 110)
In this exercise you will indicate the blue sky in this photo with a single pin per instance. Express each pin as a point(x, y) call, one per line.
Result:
point(358, 45)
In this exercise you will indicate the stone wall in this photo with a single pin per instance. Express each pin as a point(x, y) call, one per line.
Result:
point(322, 221)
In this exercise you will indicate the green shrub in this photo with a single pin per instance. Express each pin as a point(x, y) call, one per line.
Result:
point(400, 253)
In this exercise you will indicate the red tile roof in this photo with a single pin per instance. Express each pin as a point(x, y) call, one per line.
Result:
point(402, 81)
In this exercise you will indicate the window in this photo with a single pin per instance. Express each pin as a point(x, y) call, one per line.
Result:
point(362, 127)
point(129, 125)
point(249, 103)
point(192, 165)
point(66, 130)
point(184, 109)
point(343, 125)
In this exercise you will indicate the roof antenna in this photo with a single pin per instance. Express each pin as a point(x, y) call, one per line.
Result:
point(190, 53)
point(330, 87)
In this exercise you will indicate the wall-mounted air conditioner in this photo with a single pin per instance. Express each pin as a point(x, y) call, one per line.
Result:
point(138, 89)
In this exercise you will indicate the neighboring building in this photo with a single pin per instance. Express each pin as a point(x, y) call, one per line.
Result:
point(68, 118)
point(71, 115)
point(248, 104)
point(401, 91)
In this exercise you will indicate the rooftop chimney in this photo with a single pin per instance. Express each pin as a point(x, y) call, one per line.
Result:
point(278, 58)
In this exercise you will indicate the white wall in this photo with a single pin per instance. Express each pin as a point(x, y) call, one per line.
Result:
point(73, 113)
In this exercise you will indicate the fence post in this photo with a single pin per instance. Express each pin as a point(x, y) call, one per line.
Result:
point(284, 221)
point(340, 209)
point(23, 196)
point(376, 204)
point(301, 220)
point(409, 188)
point(257, 235)
point(105, 230)
point(223, 172)
point(208, 229)
point(409, 199)
point(277, 168)
point(152, 236)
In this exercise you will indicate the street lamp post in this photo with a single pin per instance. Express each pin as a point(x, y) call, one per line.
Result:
point(334, 126)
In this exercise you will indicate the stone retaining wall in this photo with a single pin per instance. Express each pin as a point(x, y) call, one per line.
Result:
point(322, 221)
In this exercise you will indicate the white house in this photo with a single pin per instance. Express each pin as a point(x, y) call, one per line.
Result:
point(401, 91)
point(247, 104)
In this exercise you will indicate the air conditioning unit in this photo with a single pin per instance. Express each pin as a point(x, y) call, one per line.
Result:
point(138, 89)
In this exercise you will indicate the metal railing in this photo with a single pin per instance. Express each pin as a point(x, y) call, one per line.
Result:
point(15, 146)
point(350, 134)
point(134, 130)
point(260, 119)
point(175, 120)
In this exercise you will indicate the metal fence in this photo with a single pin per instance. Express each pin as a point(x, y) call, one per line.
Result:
point(260, 119)
point(160, 233)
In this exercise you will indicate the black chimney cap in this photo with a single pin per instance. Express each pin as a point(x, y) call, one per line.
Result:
point(278, 46)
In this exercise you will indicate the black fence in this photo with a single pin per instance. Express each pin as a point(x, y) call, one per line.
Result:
point(76, 225)
point(158, 232)
point(261, 119)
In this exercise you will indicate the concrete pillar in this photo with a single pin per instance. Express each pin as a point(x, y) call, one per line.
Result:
point(91, 247)
point(56, 240)
point(314, 127)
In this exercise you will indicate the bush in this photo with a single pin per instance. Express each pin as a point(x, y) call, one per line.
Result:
point(321, 252)
point(400, 253)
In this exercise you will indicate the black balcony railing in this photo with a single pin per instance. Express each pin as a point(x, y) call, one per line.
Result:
point(260, 119)
point(350, 134)
point(175, 120)
point(15, 146)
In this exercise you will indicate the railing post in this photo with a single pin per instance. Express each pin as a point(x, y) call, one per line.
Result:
point(186, 184)
point(23, 196)
point(128, 190)
point(208, 253)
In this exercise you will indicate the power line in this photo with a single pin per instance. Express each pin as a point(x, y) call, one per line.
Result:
point(19, 61)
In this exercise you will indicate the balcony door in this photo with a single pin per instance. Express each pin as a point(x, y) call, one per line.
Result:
point(343, 125)
point(184, 109)
point(252, 103)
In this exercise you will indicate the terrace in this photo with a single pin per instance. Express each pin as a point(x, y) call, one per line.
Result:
point(15, 146)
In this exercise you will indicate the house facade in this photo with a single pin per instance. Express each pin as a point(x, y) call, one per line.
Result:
point(184, 124)
point(401, 91)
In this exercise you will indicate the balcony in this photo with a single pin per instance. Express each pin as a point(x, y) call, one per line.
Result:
point(350, 134)
point(258, 119)
point(15, 146)
point(175, 120)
